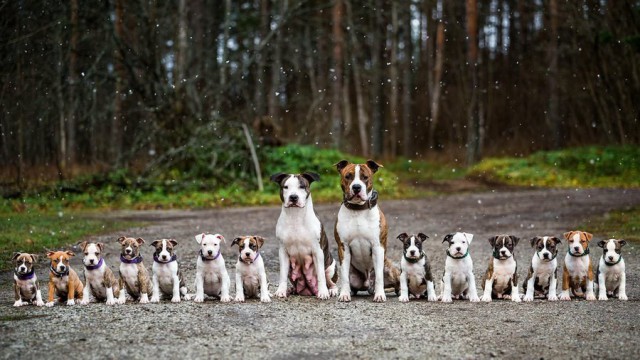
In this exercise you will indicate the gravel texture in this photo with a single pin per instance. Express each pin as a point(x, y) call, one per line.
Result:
point(306, 327)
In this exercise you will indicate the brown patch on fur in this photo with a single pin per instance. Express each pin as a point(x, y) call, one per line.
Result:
point(74, 285)
point(347, 172)
point(339, 243)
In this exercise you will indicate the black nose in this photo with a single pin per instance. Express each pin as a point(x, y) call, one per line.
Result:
point(247, 254)
point(210, 252)
point(91, 261)
point(503, 252)
point(128, 251)
point(545, 255)
point(164, 257)
point(576, 248)
point(356, 188)
point(610, 257)
point(293, 198)
point(412, 252)
point(458, 248)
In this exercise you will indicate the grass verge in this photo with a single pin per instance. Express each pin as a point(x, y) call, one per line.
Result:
point(621, 224)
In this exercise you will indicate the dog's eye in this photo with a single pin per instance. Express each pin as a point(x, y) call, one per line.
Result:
point(464, 242)
point(349, 176)
point(302, 186)
point(285, 187)
point(86, 254)
point(365, 178)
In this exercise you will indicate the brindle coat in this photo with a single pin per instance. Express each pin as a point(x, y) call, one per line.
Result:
point(29, 292)
point(142, 285)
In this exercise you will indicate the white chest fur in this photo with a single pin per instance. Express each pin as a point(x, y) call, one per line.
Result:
point(211, 274)
point(503, 271)
point(458, 269)
point(250, 274)
point(129, 273)
point(94, 279)
point(165, 273)
point(360, 230)
point(578, 266)
point(543, 270)
point(415, 273)
point(298, 230)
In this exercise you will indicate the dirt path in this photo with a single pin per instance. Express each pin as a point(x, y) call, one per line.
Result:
point(307, 327)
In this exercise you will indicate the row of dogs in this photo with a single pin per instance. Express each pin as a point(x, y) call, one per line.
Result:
point(307, 267)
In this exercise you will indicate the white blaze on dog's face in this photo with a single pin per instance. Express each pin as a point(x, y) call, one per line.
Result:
point(248, 247)
point(60, 260)
point(210, 244)
point(546, 246)
point(412, 244)
point(611, 249)
point(503, 245)
point(458, 243)
point(92, 253)
point(164, 249)
point(130, 247)
point(295, 189)
point(23, 262)
point(357, 180)
point(578, 241)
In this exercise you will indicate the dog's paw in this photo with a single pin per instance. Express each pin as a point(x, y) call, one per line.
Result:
point(528, 298)
point(552, 298)
point(323, 294)
point(516, 299)
point(345, 296)
point(446, 299)
point(121, 300)
point(155, 299)
point(281, 293)
point(18, 303)
point(486, 298)
point(186, 297)
point(603, 297)
point(403, 298)
point(175, 299)
point(432, 298)
point(39, 303)
point(84, 302)
point(198, 298)
point(49, 304)
point(239, 298)
point(380, 297)
point(591, 297)
point(144, 299)
point(623, 297)
point(265, 298)
point(225, 298)
point(474, 298)
point(111, 302)
point(71, 302)
point(565, 297)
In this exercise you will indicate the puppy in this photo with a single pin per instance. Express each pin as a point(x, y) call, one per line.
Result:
point(577, 274)
point(458, 281)
point(542, 277)
point(416, 271)
point(212, 278)
point(251, 278)
point(64, 283)
point(361, 235)
point(611, 278)
point(134, 278)
point(304, 248)
point(167, 278)
point(99, 282)
point(501, 278)
point(25, 284)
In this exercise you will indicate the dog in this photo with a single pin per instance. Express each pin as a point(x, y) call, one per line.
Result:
point(415, 277)
point(99, 282)
point(304, 248)
point(458, 281)
point(501, 279)
point(361, 235)
point(64, 282)
point(542, 278)
point(25, 283)
point(134, 278)
point(611, 278)
point(577, 274)
point(167, 278)
point(212, 278)
point(251, 278)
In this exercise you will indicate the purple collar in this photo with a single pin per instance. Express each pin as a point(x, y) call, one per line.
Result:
point(207, 259)
point(27, 276)
point(135, 260)
point(252, 261)
point(96, 266)
point(173, 258)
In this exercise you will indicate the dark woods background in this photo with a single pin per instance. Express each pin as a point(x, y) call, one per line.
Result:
point(93, 86)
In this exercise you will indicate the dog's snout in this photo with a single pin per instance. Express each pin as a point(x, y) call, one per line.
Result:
point(412, 252)
point(128, 251)
point(247, 254)
point(458, 248)
point(610, 257)
point(91, 261)
point(576, 248)
point(164, 257)
point(210, 252)
point(545, 255)
point(356, 188)
point(294, 198)
point(503, 252)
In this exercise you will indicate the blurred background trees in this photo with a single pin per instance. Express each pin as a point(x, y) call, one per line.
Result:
point(146, 85)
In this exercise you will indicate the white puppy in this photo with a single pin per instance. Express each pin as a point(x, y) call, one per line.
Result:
point(458, 281)
point(611, 278)
point(167, 278)
point(251, 278)
point(212, 278)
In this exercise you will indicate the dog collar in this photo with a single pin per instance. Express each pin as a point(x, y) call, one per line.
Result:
point(252, 261)
point(27, 276)
point(135, 260)
point(554, 256)
point(458, 257)
point(586, 252)
point(611, 264)
point(207, 259)
point(495, 256)
point(371, 202)
point(94, 267)
point(173, 258)
point(413, 261)
point(57, 274)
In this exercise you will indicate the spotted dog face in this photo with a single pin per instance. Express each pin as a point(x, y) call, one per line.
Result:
point(546, 246)
point(578, 241)
point(295, 188)
point(23, 262)
point(164, 249)
point(92, 252)
point(248, 247)
point(130, 247)
point(60, 260)
point(209, 244)
point(503, 245)
point(357, 180)
point(611, 249)
point(412, 244)
point(458, 243)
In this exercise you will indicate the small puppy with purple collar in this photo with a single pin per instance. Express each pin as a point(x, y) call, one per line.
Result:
point(100, 283)
point(251, 277)
point(212, 278)
point(167, 278)
point(611, 279)
point(25, 285)
point(415, 278)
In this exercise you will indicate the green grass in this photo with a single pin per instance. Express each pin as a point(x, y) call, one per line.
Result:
point(593, 166)
point(36, 232)
point(624, 224)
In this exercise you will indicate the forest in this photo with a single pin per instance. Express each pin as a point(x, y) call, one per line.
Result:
point(154, 86)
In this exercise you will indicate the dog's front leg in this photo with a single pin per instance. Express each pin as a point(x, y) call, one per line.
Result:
point(488, 287)
point(71, 288)
point(566, 282)
point(239, 287)
point(224, 291)
point(85, 293)
point(199, 286)
point(446, 288)
point(622, 289)
point(602, 289)
point(18, 299)
point(39, 301)
point(52, 291)
point(553, 283)
point(378, 263)
point(404, 288)
point(318, 258)
point(515, 292)
point(123, 292)
point(264, 285)
point(281, 292)
point(345, 288)
point(530, 283)
point(473, 291)
point(176, 289)
point(110, 298)
point(155, 297)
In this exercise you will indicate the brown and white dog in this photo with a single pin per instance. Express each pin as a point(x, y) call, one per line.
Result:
point(167, 278)
point(611, 279)
point(577, 274)
point(134, 278)
point(361, 235)
point(99, 282)
point(304, 247)
point(542, 278)
point(251, 277)
point(64, 282)
point(501, 279)
point(416, 278)
point(25, 284)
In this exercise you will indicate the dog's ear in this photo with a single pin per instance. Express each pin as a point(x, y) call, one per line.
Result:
point(602, 243)
point(311, 176)
point(515, 239)
point(70, 253)
point(492, 240)
point(374, 166)
point(402, 237)
point(277, 178)
point(34, 258)
point(236, 241)
point(534, 241)
point(100, 246)
point(469, 237)
point(259, 240)
point(422, 237)
point(199, 238)
point(173, 242)
point(589, 236)
point(140, 241)
point(567, 235)
point(555, 240)
point(83, 245)
point(155, 243)
point(50, 254)
point(15, 256)
point(448, 238)
point(341, 165)
point(622, 242)
point(121, 239)
point(221, 238)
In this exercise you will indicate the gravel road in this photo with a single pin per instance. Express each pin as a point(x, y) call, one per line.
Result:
point(306, 327)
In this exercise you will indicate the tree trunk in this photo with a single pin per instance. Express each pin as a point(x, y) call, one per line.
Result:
point(407, 84)
point(73, 85)
point(393, 76)
point(261, 85)
point(225, 40)
point(473, 123)
point(377, 104)
point(363, 118)
point(181, 58)
point(338, 45)
point(436, 86)
point(554, 117)
point(118, 107)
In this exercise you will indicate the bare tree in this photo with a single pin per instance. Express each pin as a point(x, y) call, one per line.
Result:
point(473, 124)
point(553, 116)
point(338, 45)
point(436, 86)
point(363, 117)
